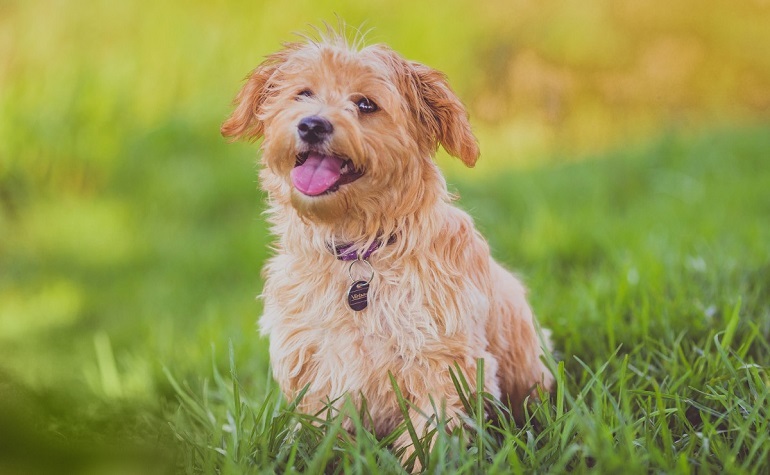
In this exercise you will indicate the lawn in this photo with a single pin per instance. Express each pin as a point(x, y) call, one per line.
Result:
point(650, 265)
point(131, 242)
point(652, 269)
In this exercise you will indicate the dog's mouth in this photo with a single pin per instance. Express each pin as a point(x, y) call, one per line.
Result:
point(317, 174)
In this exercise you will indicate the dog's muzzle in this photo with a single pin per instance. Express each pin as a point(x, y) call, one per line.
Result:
point(316, 170)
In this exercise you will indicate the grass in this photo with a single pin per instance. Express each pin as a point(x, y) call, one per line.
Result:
point(651, 269)
point(651, 266)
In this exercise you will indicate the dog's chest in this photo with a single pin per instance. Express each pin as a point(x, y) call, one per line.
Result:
point(407, 303)
point(370, 296)
point(415, 313)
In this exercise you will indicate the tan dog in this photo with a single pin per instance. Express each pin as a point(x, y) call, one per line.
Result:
point(349, 136)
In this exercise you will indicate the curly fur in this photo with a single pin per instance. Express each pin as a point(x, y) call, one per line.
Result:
point(438, 298)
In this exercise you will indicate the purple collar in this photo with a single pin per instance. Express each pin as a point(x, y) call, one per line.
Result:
point(346, 252)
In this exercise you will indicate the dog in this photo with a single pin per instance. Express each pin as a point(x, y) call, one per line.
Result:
point(375, 271)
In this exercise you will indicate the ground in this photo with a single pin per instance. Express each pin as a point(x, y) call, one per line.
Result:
point(650, 265)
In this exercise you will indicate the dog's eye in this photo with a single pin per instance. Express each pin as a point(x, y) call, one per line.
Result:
point(366, 106)
point(304, 93)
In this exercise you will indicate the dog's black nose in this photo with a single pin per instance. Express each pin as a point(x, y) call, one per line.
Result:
point(314, 129)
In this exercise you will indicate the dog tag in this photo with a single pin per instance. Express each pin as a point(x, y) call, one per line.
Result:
point(357, 295)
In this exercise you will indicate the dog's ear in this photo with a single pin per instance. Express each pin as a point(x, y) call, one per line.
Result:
point(244, 122)
point(441, 110)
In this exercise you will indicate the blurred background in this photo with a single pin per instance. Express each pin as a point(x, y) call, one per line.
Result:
point(131, 234)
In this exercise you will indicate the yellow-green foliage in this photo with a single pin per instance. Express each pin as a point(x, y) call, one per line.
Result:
point(78, 80)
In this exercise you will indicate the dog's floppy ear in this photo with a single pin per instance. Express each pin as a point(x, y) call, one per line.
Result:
point(244, 122)
point(441, 110)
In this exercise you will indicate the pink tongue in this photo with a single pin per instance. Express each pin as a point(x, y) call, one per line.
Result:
point(317, 174)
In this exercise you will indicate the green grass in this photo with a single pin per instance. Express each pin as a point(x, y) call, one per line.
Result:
point(650, 265)
point(652, 270)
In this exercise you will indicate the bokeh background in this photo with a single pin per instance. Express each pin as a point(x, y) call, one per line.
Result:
point(131, 234)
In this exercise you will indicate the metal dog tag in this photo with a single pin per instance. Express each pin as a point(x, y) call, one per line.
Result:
point(357, 295)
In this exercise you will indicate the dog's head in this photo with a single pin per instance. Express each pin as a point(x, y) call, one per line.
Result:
point(350, 133)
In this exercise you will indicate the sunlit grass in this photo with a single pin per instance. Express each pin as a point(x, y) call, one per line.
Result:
point(617, 416)
point(649, 265)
